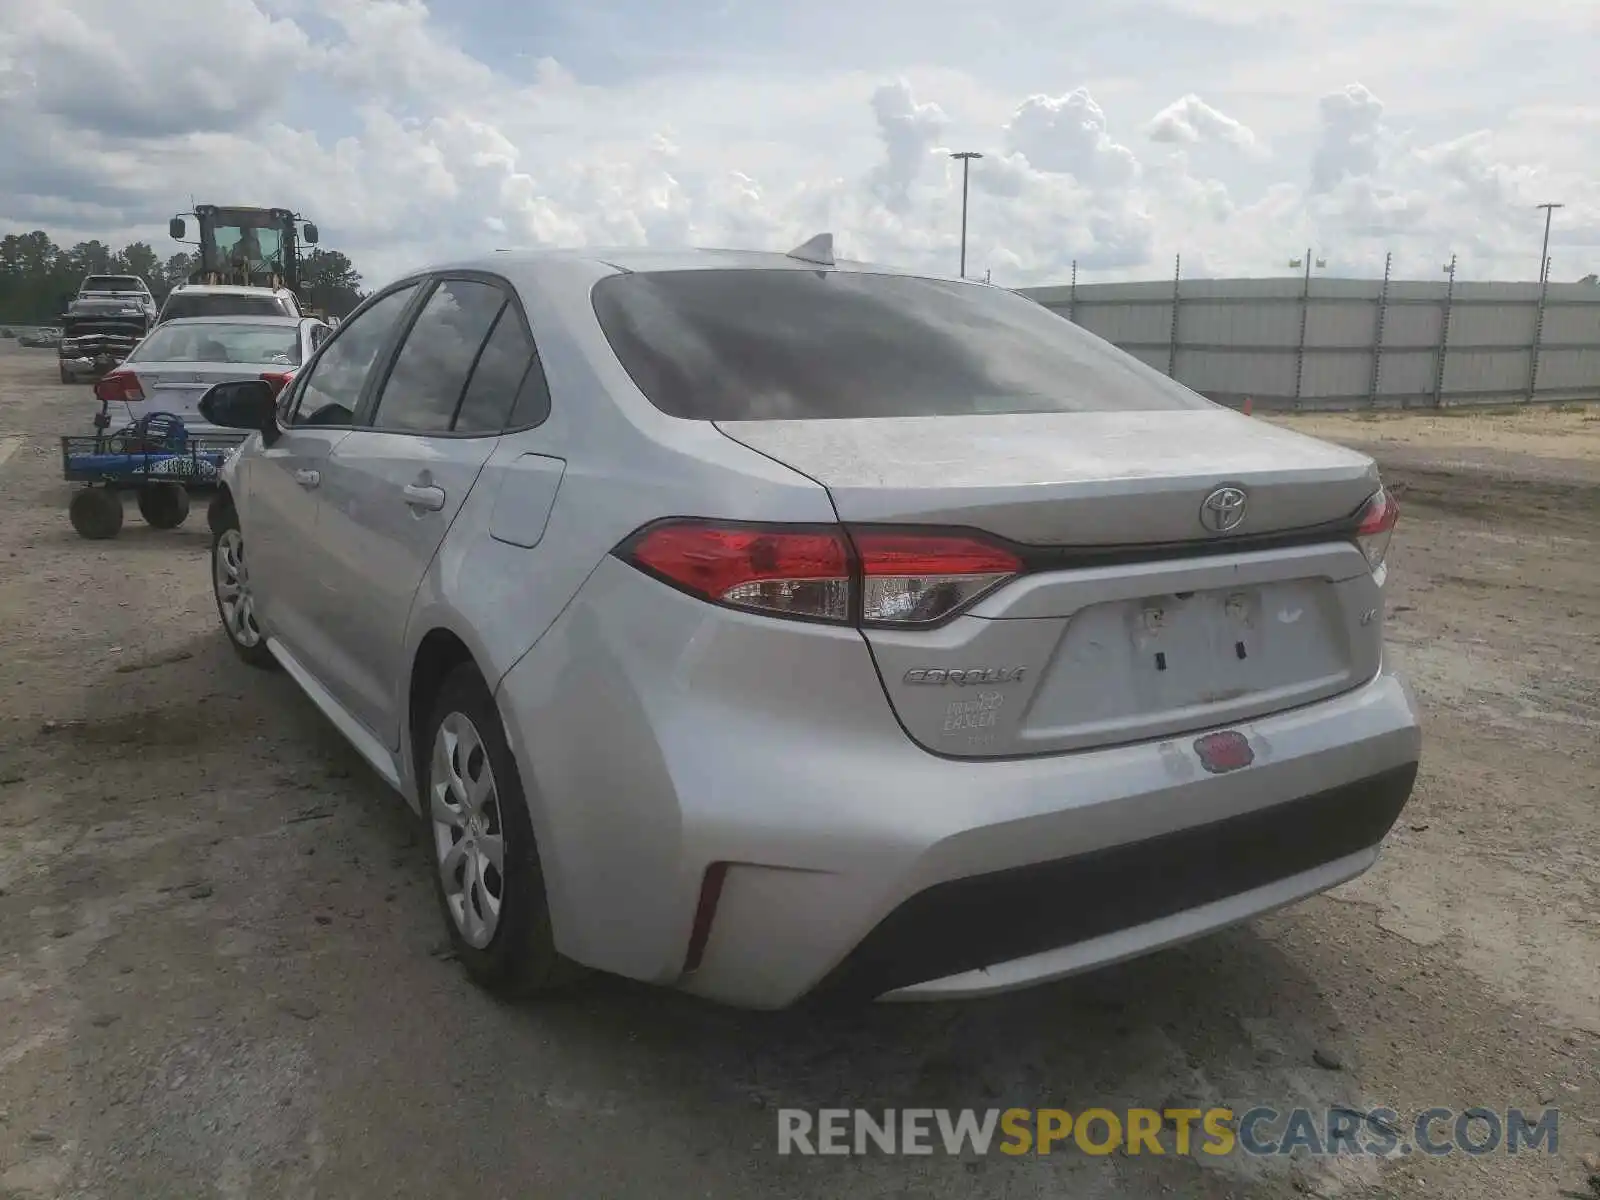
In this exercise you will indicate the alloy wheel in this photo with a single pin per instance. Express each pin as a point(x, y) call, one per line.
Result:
point(468, 836)
point(232, 578)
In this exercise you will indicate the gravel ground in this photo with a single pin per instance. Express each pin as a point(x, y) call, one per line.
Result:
point(221, 973)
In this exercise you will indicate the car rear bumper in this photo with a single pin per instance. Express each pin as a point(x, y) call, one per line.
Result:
point(97, 364)
point(682, 759)
point(986, 933)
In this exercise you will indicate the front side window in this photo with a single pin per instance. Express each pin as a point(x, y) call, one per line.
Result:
point(742, 345)
point(214, 342)
point(333, 388)
point(430, 373)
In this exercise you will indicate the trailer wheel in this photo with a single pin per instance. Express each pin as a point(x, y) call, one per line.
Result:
point(164, 505)
point(96, 513)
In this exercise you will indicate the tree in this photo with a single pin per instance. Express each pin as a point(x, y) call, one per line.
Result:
point(27, 253)
point(178, 268)
point(139, 259)
point(35, 274)
point(330, 281)
point(91, 258)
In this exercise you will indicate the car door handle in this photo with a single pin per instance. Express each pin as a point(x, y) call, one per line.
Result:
point(429, 499)
point(308, 479)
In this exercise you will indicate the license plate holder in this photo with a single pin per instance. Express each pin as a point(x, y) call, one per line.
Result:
point(1205, 643)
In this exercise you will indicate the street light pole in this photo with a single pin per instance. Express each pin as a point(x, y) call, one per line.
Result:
point(1544, 254)
point(966, 157)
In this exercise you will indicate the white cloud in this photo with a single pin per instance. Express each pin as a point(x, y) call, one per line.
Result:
point(1067, 135)
point(73, 64)
point(408, 133)
point(909, 131)
point(1190, 120)
point(1349, 145)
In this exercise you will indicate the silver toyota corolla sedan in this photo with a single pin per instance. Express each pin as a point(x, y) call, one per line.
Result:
point(777, 628)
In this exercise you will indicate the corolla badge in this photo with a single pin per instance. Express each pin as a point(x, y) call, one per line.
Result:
point(939, 676)
point(1223, 510)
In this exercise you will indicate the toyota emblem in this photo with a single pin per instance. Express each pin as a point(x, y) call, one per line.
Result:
point(1223, 510)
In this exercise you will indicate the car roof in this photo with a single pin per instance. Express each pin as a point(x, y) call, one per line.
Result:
point(627, 259)
point(238, 319)
point(229, 289)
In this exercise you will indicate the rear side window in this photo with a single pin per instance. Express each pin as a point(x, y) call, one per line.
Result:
point(739, 345)
point(429, 377)
point(533, 399)
point(507, 356)
point(224, 305)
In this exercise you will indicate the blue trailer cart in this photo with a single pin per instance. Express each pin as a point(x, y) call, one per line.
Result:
point(156, 457)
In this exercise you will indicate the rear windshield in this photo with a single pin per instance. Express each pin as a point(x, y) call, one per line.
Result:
point(739, 345)
point(112, 283)
point(261, 345)
point(221, 304)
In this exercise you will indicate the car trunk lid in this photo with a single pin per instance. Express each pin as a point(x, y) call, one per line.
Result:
point(1069, 479)
point(178, 387)
point(1134, 619)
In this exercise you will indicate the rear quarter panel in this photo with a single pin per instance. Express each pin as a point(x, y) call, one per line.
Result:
point(619, 474)
point(499, 597)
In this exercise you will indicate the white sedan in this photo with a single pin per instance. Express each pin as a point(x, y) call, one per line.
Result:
point(179, 361)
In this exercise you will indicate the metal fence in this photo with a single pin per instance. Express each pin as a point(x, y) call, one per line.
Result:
point(1316, 343)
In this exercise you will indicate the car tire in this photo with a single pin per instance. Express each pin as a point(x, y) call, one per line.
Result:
point(164, 505)
point(96, 513)
point(230, 586)
point(497, 918)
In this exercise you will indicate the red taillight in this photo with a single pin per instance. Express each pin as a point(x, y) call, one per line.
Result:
point(119, 387)
point(788, 572)
point(876, 576)
point(277, 380)
point(1375, 526)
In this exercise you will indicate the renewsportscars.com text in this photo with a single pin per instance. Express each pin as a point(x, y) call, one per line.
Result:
point(1214, 1131)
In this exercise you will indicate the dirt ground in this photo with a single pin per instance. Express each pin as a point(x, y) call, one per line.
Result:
point(221, 973)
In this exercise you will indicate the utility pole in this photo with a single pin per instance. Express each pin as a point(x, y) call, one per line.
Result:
point(1444, 331)
point(1378, 324)
point(966, 157)
point(1544, 254)
point(1305, 320)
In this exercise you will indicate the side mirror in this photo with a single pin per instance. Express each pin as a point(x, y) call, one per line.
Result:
point(176, 227)
point(242, 404)
point(311, 234)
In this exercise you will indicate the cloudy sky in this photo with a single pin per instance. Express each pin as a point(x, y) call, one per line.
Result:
point(1116, 132)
